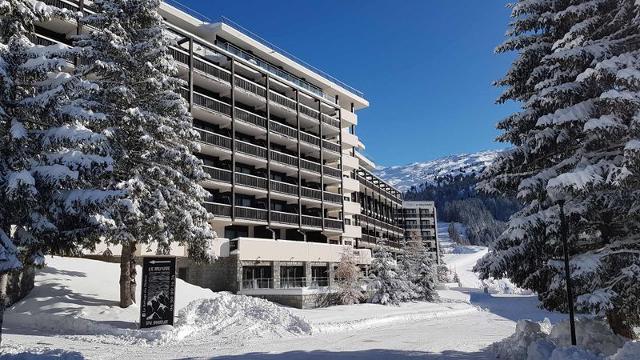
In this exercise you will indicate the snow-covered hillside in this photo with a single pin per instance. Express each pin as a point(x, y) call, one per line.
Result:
point(405, 176)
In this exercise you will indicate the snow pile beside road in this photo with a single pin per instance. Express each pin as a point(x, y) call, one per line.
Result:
point(78, 298)
point(541, 341)
point(504, 287)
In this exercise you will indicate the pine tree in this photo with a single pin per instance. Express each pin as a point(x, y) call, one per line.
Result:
point(420, 268)
point(348, 278)
point(388, 282)
point(150, 131)
point(50, 162)
point(576, 143)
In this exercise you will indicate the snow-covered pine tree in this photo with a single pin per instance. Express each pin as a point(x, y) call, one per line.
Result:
point(50, 163)
point(576, 139)
point(388, 282)
point(126, 56)
point(420, 268)
point(348, 279)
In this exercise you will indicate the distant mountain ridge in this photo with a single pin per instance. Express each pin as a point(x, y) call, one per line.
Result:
point(417, 174)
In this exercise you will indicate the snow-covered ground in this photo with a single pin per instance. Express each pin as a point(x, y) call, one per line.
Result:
point(73, 313)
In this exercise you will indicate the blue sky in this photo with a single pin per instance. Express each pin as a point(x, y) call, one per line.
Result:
point(425, 66)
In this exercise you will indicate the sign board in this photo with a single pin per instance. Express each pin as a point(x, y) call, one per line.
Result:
point(158, 291)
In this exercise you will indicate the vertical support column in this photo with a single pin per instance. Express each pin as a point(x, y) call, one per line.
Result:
point(268, 116)
point(341, 163)
point(233, 140)
point(307, 273)
point(190, 74)
point(332, 274)
point(321, 163)
point(299, 162)
point(353, 130)
point(275, 274)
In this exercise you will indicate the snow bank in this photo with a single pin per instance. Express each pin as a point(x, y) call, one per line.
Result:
point(541, 341)
point(78, 298)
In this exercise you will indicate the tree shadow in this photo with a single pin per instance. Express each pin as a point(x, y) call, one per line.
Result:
point(512, 307)
point(54, 271)
point(369, 354)
point(47, 354)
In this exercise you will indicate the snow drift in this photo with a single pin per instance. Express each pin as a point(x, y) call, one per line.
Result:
point(78, 298)
point(542, 341)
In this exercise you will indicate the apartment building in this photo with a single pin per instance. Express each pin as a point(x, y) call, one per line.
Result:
point(420, 218)
point(277, 137)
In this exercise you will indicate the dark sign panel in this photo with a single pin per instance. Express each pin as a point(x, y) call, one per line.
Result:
point(158, 291)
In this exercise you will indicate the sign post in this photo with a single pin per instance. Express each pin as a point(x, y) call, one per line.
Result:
point(158, 291)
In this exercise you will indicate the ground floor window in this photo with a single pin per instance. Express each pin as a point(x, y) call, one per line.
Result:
point(256, 277)
point(319, 276)
point(235, 231)
point(292, 277)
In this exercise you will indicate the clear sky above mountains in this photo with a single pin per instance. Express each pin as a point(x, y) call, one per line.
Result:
point(425, 66)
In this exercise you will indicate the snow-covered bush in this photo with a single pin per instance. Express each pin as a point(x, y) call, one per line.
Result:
point(348, 278)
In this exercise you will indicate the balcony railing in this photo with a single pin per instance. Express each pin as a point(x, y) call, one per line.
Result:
point(333, 224)
point(284, 158)
point(211, 104)
point(311, 221)
point(218, 209)
point(284, 188)
point(251, 118)
point(284, 218)
point(308, 138)
point(179, 55)
point(308, 165)
point(251, 181)
point(333, 198)
point(251, 213)
point(282, 100)
point(211, 70)
point(311, 193)
point(250, 86)
point(262, 283)
point(331, 146)
point(332, 172)
point(218, 174)
point(283, 129)
point(330, 120)
point(305, 110)
point(250, 149)
point(212, 138)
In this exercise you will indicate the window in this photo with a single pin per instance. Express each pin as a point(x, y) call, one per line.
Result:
point(319, 276)
point(256, 277)
point(292, 277)
point(236, 231)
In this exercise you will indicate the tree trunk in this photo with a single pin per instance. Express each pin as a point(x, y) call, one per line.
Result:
point(4, 279)
point(132, 274)
point(125, 275)
point(619, 326)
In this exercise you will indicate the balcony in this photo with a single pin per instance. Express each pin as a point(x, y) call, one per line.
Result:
point(282, 100)
point(250, 86)
point(310, 139)
point(282, 129)
point(251, 181)
point(211, 104)
point(284, 188)
point(284, 158)
point(249, 213)
point(311, 221)
point(218, 174)
point(333, 172)
point(211, 138)
point(250, 118)
point(311, 166)
point(331, 146)
point(332, 198)
point(309, 112)
point(331, 121)
point(218, 209)
point(333, 224)
point(284, 217)
point(250, 149)
point(311, 193)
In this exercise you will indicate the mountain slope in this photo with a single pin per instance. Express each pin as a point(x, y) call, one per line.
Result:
point(405, 176)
